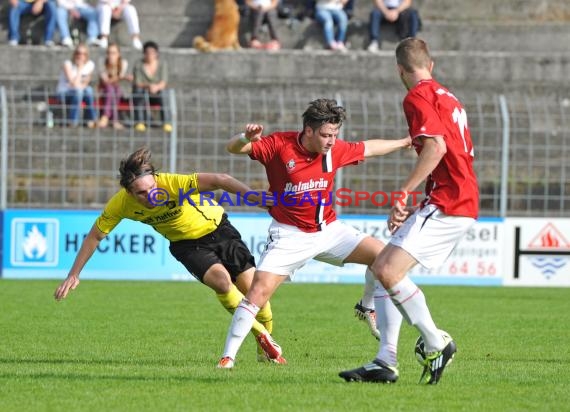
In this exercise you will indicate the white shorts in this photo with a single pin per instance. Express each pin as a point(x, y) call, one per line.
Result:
point(430, 236)
point(289, 248)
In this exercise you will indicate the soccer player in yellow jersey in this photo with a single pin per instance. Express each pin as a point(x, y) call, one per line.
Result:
point(200, 235)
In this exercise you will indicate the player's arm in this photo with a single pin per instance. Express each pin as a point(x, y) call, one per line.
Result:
point(379, 147)
point(215, 181)
point(88, 246)
point(433, 150)
point(241, 142)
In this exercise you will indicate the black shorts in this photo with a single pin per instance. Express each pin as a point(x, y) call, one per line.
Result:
point(223, 245)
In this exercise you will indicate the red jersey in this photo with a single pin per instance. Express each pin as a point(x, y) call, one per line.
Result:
point(302, 182)
point(431, 110)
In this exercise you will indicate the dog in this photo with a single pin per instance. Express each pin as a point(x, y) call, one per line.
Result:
point(224, 30)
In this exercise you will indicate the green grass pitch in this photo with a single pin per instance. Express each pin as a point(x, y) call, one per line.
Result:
point(153, 346)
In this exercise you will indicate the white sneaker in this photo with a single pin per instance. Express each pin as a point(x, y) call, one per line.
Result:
point(49, 43)
point(373, 46)
point(369, 316)
point(93, 43)
point(104, 43)
point(137, 44)
point(225, 363)
point(13, 42)
point(67, 42)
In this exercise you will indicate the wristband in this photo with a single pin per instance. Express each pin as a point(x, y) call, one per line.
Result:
point(243, 139)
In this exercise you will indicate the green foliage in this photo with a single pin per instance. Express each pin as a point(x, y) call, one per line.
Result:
point(153, 346)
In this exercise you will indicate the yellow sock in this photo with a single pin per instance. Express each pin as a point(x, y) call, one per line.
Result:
point(232, 299)
point(265, 317)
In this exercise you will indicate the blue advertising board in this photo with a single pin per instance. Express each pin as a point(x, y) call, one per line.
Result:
point(43, 244)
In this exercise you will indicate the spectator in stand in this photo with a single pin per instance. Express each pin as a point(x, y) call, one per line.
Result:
point(34, 7)
point(328, 13)
point(119, 9)
point(263, 12)
point(78, 9)
point(399, 12)
point(74, 89)
point(150, 78)
point(112, 70)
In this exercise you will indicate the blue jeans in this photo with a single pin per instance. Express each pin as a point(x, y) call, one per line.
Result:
point(73, 99)
point(23, 8)
point(142, 98)
point(407, 24)
point(88, 13)
point(328, 18)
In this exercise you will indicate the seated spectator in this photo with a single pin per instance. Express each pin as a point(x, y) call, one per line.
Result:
point(328, 13)
point(263, 12)
point(74, 89)
point(117, 10)
point(112, 71)
point(150, 78)
point(399, 12)
point(34, 7)
point(78, 9)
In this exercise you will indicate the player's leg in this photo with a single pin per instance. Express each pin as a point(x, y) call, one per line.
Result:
point(286, 250)
point(391, 266)
point(262, 288)
point(264, 316)
point(239, 261)
point(205, 265)
point(364, 251)
point(388, 320)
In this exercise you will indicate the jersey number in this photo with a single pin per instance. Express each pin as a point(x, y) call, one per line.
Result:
point(460, 118)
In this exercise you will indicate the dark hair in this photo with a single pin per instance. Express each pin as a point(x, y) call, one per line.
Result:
point(150, 45)
point(136, 165)
point(322, 111)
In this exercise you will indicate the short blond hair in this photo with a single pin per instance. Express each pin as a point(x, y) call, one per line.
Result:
point(413, 54)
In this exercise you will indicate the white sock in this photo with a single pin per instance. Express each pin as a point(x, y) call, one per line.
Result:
point(388, 321)
point(242, 321)
point(411, 303)
point(369, 285)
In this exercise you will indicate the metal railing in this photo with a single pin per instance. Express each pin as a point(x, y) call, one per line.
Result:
point(520, 143)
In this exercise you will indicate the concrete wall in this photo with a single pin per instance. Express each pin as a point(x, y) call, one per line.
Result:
point(482, 45)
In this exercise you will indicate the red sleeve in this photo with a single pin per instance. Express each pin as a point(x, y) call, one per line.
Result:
point(422, 118)
point(266, 148)
point(349, 153)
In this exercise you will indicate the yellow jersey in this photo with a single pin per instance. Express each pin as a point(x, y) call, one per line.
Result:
point(186, 214)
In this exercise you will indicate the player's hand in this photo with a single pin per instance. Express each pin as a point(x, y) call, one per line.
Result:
point(70, 283)
point(253, 132)
point(398, 217)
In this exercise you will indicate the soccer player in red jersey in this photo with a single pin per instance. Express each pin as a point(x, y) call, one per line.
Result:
point(301, 167)
point(428, 234)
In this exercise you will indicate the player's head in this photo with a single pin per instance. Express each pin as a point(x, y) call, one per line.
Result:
point(137, 175)
point(321, 123)
point(414, 61)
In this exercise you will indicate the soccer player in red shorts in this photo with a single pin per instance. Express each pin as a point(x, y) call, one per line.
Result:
point(428, 234)
point(301, 167)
